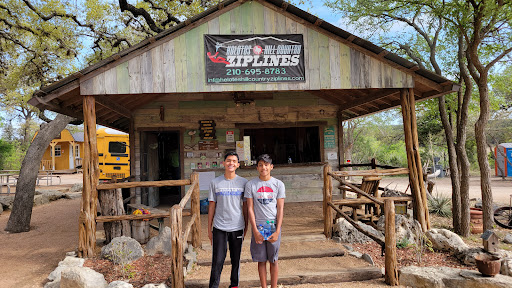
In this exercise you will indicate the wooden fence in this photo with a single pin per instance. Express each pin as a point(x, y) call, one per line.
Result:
point(178, 237)
point(389, 243)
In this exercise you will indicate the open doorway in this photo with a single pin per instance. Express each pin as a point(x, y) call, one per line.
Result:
point(169, 158)
point(161, 160)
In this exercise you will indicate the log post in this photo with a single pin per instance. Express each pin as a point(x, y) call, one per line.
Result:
point(419, 167)
point(52, 144)
point(131, 139)
point(177, 277)
point(91, 173)
point(196, 209)
point(327, 198)
point(418, 207)
point(111, 204)
point(391, 277)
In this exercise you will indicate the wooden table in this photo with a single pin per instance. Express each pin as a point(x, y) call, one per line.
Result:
point(48, 176)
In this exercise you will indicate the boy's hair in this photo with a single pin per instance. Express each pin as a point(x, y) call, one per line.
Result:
point(265, 158)
point(231, 153)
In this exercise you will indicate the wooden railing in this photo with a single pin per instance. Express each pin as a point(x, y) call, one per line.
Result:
point(389, 243)
point(45, 165)
point(178, 237)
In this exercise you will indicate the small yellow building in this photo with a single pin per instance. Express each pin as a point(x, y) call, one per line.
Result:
point(113, 150)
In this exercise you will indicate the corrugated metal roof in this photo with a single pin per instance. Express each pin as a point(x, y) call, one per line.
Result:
point(78, 136)
point(506, 145)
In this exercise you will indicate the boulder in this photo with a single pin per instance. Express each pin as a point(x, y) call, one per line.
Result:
point(161, 285)
point(52, 195)
point(506, 267)
point(73, 195)
point(508, 238)
point(348, 234)
point(119, 284)
point(447, 277)
point(67, 262)
point(467, 256)
point(190, 258)
point(160, 244)
point(77, 187)
point(122, 250)
point(82, 277)
point(446, 240)
point(41, 199)
point(1, 208)
point(7, 201)
point(405, 228)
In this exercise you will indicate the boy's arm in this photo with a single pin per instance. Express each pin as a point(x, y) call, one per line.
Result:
point(279, 220)
point(250, 210)
point(246, 216)
point(211, 213)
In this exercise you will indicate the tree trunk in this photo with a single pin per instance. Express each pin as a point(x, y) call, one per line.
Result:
point(452, 160)
point(483, 163)
point(19, 220)
point(111, 204)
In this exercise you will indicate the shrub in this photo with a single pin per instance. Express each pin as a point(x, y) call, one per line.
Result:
point(440, 205)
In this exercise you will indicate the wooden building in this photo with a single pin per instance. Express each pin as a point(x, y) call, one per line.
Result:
point(63, 153)
point(309, 76)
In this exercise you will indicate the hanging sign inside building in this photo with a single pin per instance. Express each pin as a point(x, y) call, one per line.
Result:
point(207, 129)
point(254, 58)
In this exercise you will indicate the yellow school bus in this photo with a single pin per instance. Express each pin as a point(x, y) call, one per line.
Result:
point(114, 153)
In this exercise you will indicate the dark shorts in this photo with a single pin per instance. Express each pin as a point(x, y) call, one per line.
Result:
point(265, 251)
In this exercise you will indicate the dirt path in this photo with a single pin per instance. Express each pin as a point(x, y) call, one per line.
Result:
point(26, 259)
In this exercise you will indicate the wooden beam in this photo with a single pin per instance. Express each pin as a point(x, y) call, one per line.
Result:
point(326, 96)
point(114, 106)
point(162, 183)
point(327, 198)
point(91, 173)
point(371, 97)
point(177, 277)
point(390, 261)
point(195, 210)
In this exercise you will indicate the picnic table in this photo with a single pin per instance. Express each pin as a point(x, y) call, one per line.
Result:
point(5, 181)
point(48, 176)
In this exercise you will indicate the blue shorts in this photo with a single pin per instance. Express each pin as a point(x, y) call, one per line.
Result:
point(266, 251)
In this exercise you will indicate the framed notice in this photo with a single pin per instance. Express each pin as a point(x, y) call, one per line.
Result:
point(329, 137)
point(230, 136)
point(254, 58)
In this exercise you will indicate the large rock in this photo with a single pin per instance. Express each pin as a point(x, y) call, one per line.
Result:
point(506, 267)
point(162, 285)
point(160, 244)
point(405, 228)
point(1, 208)
point(122, 250)
point(82, 277)
point(348, 234)
point(67, 262)
point(41, 199)
point(73, 195)
point(119, 284)
point(447, 277)
point(467, 256)
point(77, 187)
point(508, 238)
point(7, 201)
point(52, 195)
point(446, 240)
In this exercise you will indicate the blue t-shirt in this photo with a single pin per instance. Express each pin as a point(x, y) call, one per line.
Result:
point(265, 195)
point(228, 196)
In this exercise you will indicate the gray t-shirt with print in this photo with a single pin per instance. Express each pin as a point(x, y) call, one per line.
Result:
point(228, 196)
point(265, 195)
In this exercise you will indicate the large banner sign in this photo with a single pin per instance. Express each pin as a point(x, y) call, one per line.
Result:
point(254, 58)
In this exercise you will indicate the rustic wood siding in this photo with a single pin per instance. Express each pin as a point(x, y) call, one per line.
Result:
point(177, 65)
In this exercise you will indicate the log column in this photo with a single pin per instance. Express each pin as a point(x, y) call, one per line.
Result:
point(53, 144)
point(91, 172)
point(177, 277)
point(196, 209)
point(390, 263)
point(418, 190)
point(327, 198)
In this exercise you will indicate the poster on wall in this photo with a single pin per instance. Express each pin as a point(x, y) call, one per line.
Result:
point(247, 150)
point(329, 139)
point(240, 149)
point(230, 136)
point(254, 58)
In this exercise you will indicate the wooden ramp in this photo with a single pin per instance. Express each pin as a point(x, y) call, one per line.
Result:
point(302, 259)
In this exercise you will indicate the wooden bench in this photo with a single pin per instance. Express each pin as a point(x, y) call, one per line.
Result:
point(6, 185)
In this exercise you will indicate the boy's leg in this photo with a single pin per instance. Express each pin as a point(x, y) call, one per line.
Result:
point(262, 271)
point(235, 240)
point(218, 256)
point(274, 271)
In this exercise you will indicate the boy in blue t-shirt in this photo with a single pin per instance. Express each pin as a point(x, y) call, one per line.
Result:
point(265, 202)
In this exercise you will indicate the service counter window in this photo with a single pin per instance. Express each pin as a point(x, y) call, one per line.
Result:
point(286, 145)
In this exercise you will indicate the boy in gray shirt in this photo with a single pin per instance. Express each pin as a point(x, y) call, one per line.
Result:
point(227, 219)
point(265, 202)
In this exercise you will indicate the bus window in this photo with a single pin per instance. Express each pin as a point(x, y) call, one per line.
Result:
point(116, 147)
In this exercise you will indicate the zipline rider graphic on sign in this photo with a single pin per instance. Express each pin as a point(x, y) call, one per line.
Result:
point(254, 58)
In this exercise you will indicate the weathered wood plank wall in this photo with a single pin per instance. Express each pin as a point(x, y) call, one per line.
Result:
point(177, 64)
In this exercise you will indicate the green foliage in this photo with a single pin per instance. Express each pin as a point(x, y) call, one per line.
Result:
point(422, 245)
point(440, 205)
point(403, 243)
point(5, 152)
